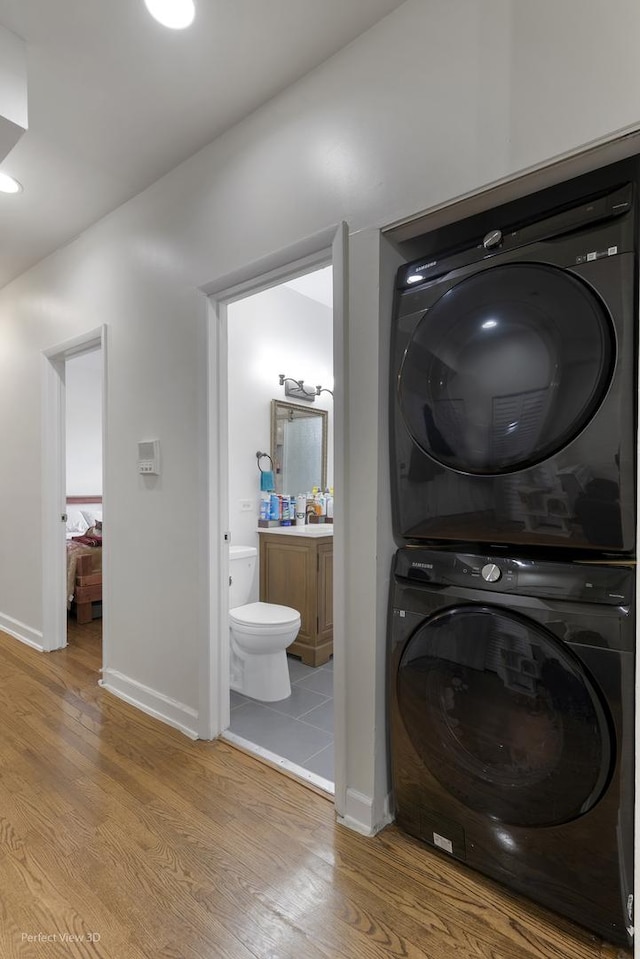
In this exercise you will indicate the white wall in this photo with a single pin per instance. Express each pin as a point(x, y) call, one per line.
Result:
point(276, 331)
point(437, 100)
point(83, 427)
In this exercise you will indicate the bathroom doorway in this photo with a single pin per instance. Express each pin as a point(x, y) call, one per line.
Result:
point(280, 442)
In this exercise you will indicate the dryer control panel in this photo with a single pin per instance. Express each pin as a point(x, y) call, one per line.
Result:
point(585, 582)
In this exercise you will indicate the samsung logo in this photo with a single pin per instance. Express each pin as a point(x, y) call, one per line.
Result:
point(422, 565)
point(426, 266)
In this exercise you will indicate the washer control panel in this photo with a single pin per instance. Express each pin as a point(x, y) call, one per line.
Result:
point(612, 583)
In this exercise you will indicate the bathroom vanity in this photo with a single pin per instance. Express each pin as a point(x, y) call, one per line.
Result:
point(296, 569)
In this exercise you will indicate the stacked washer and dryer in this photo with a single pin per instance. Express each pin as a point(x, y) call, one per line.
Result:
point(512, 613)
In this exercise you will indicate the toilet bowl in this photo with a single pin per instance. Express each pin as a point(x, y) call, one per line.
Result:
point(259, 634)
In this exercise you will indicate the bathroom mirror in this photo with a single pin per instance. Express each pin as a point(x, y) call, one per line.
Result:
point(298, 447)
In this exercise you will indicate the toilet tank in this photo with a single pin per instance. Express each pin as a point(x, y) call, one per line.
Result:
point(242, 564)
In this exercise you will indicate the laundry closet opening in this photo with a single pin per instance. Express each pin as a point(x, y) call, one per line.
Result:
point(280, 482)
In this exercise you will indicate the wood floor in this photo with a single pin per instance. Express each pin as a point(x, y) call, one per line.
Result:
point(120, 839)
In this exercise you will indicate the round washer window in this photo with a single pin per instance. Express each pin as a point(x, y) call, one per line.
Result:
point(504, 716)
point(506, 368)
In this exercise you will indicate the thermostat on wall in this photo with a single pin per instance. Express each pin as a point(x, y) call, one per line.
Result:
point(149, 457)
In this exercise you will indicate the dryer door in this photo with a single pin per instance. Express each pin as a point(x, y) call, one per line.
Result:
point(504, 716)
point(506, 368)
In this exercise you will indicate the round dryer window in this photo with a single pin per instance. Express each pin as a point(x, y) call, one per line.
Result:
point(504, 716)
point(506, 368)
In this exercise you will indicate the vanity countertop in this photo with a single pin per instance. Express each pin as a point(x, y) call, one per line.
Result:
point(311, 530)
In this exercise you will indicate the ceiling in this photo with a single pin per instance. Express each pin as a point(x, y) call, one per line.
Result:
point(116, 100)
point(317, 285)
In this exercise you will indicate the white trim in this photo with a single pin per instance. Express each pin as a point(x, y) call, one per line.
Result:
point(360, 813)
point(149, 701)
point(54, 574)
point(83, 343)
point(339, 251)
point(309, 254)
point(106, 516)
point(298, 771)
point(213, 693)
point(26, 634)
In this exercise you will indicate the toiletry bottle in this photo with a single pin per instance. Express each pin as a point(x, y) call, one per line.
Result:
point(286, 511)
point(301, 509)
point(265, 505)
point(311, 508)
point(274, 507)
point(329, 497)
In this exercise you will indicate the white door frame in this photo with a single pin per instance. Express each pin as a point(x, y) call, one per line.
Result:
point(54, 493)
point(328, 247)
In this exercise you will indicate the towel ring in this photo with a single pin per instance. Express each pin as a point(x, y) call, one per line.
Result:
point(259, 456)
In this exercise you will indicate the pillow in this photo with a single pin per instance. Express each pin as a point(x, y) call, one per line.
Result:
point(76, 522)
point(92, 515)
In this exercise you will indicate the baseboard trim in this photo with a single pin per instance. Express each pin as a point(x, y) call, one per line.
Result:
point(361, 815)
point(150, 701)
point(30, 637)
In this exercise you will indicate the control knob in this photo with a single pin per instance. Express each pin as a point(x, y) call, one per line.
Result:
point(491, 573)
point(491, 239)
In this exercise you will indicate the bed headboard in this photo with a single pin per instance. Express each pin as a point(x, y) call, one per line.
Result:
point(83, 512)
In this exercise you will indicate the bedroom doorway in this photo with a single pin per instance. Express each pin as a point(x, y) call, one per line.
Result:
point(83, 488)
point(74, 390)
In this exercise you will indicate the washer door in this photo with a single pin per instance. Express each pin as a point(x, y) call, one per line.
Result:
point(504, 716)
point(506, 368)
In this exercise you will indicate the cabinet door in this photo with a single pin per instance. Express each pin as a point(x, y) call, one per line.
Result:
point(325, 592)
point(287, 577)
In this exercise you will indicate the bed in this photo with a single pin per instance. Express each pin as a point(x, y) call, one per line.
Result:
point(84, 556)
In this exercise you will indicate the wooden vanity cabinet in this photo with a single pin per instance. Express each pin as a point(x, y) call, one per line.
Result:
point(297, 571)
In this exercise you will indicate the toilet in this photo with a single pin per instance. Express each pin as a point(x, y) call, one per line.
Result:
point(259, 634)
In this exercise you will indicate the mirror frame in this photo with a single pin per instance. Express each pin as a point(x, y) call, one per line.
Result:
point(296, 407)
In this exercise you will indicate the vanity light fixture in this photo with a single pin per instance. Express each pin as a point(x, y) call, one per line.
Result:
point(175, 14)
point(297, 389)
point(8, 184)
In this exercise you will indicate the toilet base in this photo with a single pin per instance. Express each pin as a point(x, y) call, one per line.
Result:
point(264, 677)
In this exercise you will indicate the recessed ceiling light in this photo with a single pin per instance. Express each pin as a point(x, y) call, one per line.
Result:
point(176, 14)
point(8, 184)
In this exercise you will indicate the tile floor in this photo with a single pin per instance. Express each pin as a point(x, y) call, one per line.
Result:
point(300, 728)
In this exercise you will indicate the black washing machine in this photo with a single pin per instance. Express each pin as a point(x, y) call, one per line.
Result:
point(511, 709)
point(512, 385)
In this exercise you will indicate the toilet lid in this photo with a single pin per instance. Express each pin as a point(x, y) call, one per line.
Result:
point(265, 614)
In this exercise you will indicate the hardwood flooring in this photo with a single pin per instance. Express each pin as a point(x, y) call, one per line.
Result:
point(121, 839)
